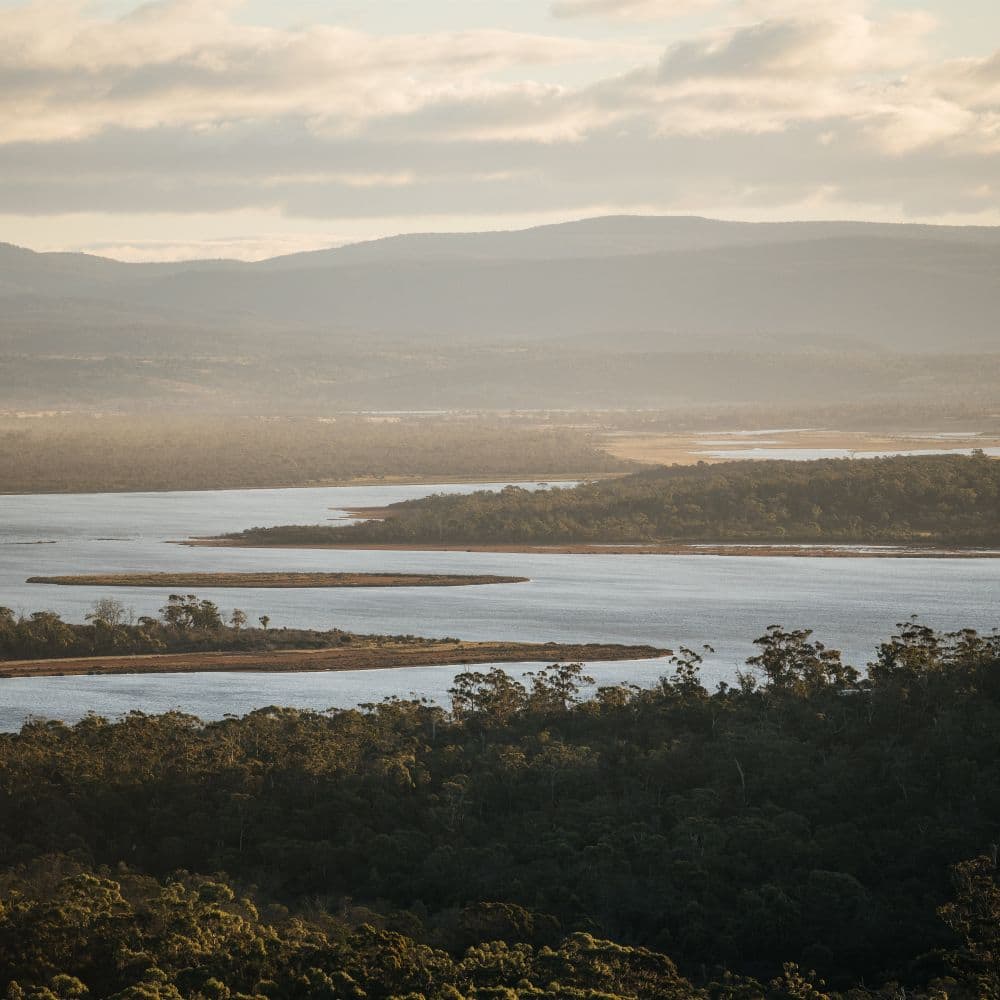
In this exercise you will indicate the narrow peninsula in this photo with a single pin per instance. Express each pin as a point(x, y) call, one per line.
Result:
point(191, 635)
point(366, 653)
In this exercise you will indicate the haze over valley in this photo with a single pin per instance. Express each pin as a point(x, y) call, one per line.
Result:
point(618, 312)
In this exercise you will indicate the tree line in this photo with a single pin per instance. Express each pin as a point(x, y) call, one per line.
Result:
point(924, 500)
point(186, 624)
point(808, 831)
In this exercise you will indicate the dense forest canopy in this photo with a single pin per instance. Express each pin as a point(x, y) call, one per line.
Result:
point(528, 843)
point(951, 499)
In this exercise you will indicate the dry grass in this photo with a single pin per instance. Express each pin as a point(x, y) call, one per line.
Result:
point(356, 656)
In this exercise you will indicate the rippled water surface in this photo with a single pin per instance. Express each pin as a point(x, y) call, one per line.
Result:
point(851, 603)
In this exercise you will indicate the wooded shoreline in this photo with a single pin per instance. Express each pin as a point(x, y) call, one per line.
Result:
point(941, 506)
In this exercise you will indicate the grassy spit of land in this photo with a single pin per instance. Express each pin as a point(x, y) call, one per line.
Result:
point(192, 634)
point(364, 653)
point(276, 580)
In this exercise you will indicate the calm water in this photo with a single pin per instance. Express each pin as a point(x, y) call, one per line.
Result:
point(211, 696)
point(809, 454)
point(668, 600)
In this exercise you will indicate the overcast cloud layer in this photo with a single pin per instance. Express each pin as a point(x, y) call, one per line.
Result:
point(181, 127)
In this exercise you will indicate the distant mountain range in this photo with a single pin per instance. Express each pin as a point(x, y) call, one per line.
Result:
point(651, 284)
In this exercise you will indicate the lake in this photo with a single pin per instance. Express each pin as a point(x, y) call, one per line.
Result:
point(851, 603)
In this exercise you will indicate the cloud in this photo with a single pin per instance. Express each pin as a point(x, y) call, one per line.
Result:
point(834, 64)
point(637, 10)
point(181, 107)
point(65, 75)
point(189, 62)
point(820, 46)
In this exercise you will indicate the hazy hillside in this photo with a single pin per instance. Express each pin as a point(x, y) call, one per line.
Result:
point(617, 235)
point(876, 292)
point(451, 319)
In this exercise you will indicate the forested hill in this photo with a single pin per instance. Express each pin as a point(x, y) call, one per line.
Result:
point(529, 844)
point(946, 499)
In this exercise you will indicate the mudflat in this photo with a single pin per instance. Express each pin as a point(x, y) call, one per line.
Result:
point(191, 581)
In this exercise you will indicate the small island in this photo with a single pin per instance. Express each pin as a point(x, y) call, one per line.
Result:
point(940, 505)
point(276, 580)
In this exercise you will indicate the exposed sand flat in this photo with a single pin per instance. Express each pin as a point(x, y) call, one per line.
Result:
point(275, 580)
point(658, 448)
point(355, 656)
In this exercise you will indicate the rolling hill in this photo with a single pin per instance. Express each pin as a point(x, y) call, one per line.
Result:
point(618, 286)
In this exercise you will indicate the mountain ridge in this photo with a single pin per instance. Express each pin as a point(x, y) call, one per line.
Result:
point(724, 230)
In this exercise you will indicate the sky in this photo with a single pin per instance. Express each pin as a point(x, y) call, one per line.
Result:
point(220, 128)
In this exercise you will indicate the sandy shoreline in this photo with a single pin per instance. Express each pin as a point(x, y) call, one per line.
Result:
point(833, 551)
point(691, 447)
point(313, 484)
point(339, 658)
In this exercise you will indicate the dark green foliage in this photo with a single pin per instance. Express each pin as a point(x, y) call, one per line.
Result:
point(974, 916)
point(529, 844)
point(948, 499)
point(186, 624)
